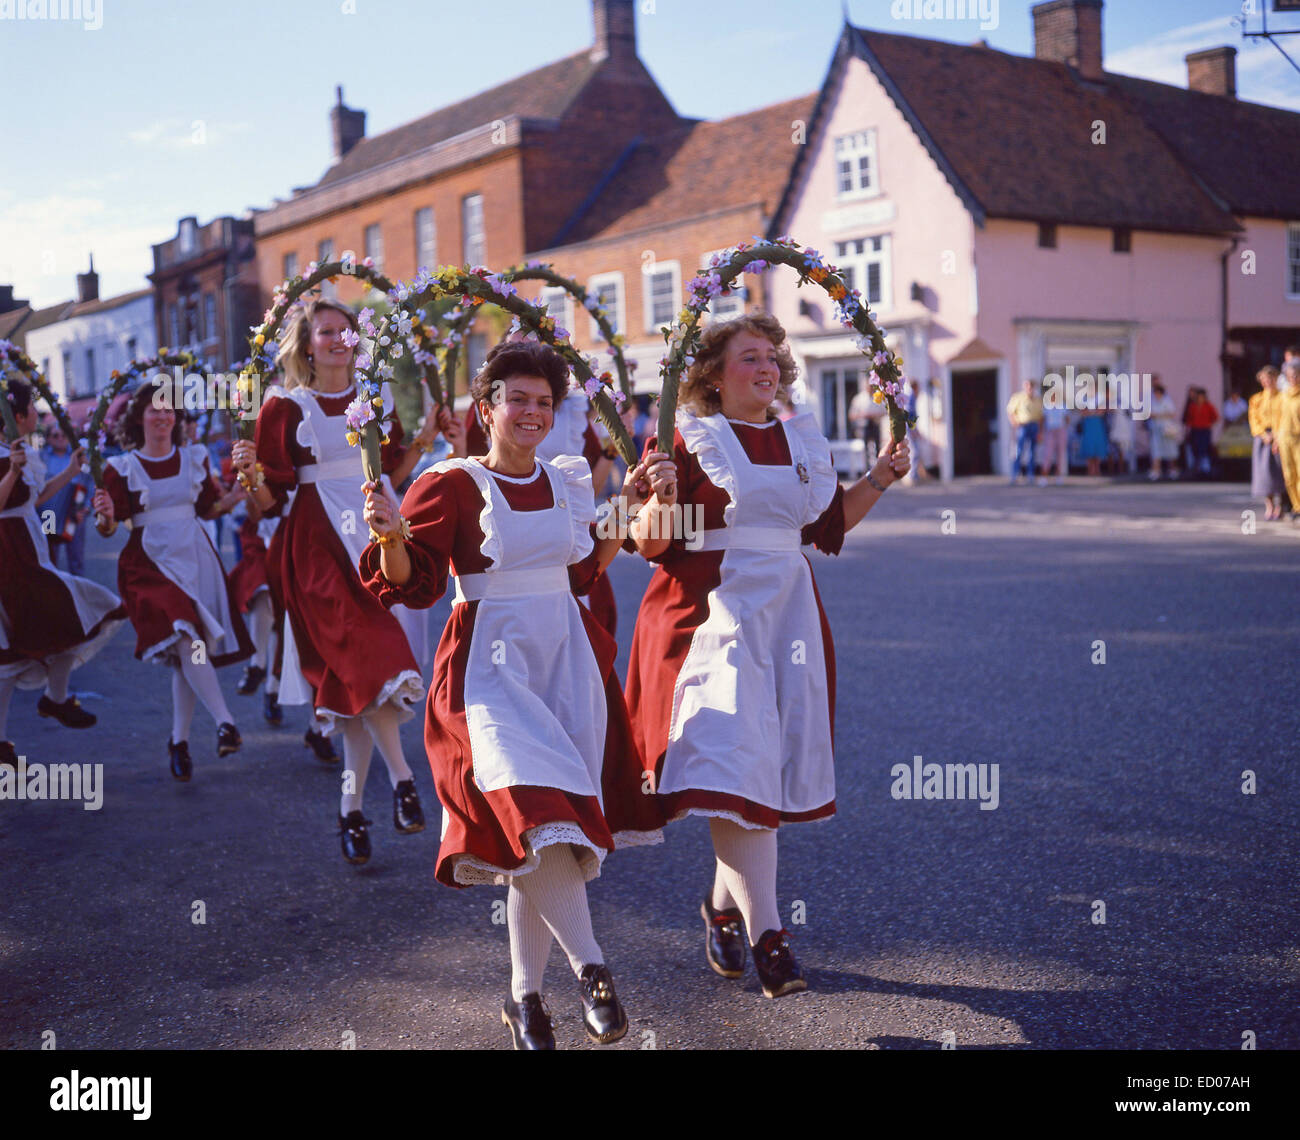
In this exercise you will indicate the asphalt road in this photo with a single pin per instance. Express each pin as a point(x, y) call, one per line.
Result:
point(1119, 783)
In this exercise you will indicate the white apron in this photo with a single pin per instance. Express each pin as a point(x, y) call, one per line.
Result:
point(338, 475)
point(176, 543)
point(91, 600)
point(750, 714)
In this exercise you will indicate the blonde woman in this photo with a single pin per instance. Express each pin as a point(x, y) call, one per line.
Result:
point(731, 682)
point(1266, 479)
point(357, 663)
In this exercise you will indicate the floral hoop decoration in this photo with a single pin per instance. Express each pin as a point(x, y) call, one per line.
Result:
point(248, 389)
point(14, 359)
point(11, 430)
point(476, 286)
point(683, 338)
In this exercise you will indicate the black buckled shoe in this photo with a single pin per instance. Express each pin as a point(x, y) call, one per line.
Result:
point(777, 969)
point(320, 744)
point(602, 1013)
point(70, 714)
point(408, 816)
point(228, 740)
point(253, 677)
point(8, 753)
point(355, 837)
point(723, 945)
point(179, 755)
point(272, 713)
point(529, 1022)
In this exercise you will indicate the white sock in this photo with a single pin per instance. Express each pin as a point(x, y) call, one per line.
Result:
point(747, 862)
point(530, 943)
point(260, 624)
point(385, 727)
point(357, 749)
point(182, 706)
point(6, 692)
point(203, 680)
point(559, 892)
point(722, 897)
point(57, 671)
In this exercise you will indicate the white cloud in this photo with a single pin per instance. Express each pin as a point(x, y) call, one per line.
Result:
point(177, 134)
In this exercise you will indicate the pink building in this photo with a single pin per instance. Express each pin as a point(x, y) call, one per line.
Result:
point(1008, 217)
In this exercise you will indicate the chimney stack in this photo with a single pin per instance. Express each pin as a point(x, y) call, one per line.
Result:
point(1213, 71)
point(88, 283)
point(615, 23)
point(1069, 31)
point(7, 302)
point(348, 127)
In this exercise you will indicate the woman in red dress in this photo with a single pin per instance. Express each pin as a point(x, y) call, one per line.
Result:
point(357, 663)
point(169, 573)
point(526, 729)
point(731, 683)
point(50, 622)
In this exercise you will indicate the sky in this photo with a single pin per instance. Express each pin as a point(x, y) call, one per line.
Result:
point(139, 112)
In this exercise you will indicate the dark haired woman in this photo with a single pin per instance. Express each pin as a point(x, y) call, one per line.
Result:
point(50, 621)
point(357, 664)
point(170, 574)
point(731, 684)
point(526, 728)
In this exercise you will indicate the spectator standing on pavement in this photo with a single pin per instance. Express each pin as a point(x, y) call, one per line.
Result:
point(1165, 432)
point(1290, 354)
point(70, 505)
point(864, 417)
point(1056, 443)
point(1266, 479)
point(1025, 411)
point(1287, 442)
point(1094, 446)
point(1201, 417)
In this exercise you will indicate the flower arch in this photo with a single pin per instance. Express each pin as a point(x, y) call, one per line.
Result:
point(14, 359)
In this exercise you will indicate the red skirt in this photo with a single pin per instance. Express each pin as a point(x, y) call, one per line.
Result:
point(248, 578)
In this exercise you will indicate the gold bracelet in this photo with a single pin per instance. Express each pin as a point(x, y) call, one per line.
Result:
point(403, 533)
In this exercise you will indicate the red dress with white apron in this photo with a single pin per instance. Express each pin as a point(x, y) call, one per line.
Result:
point(170, 574)
point(248, 576)
point(44, 612)
point(343, 652)
point(526, 728)
point(731, 683)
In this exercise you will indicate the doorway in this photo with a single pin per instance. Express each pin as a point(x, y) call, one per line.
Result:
point(976, 422)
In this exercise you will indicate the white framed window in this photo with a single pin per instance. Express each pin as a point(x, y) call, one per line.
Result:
point(607, 288)
point(188, 236)
point(324, 253)
point(661, 291)
point(476, 350)
point(558, 303)
point(839, 384)
point(89, 386)
point(210, 316)
point(426, 239)
point(732, 302)
point(1293, 261)
point(473, 234)
point(855, 165)
point(173, 324)
point(290, 266)
point(375, 246)
point(864, 264)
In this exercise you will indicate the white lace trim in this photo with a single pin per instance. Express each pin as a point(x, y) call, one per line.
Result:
point(197, 455)
point(581, 498)
point(128, 466)
point(490, 548)
point(803, 434)
point(698, 433)
point(625, 839)
point(723, 813)
point(405, 691)
point(470, 870)
point(164, 652)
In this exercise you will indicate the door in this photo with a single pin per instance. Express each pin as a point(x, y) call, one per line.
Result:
point(976, 421)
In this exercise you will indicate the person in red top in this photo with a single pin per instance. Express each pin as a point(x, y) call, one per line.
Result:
point(357, 663)
point(1200, 417)
point(169, 572)
point(731, 682)
point(526, 729)
point(50, 621)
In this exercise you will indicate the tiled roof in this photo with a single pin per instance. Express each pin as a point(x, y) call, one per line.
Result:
point(1246, 153)
point(1016, 136)
point(47, 316)
point(12, 320)
point(84, 308)
point(542, 94)
point(701, 168)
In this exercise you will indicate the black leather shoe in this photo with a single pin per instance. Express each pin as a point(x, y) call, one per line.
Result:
point(8, 753)
point(355, 837)
point(777, 968)
point(70, 714)
point(602, 1012)
point(320, 744)
point(272, 713)
point(253, 677)
point(228, 740)
point(408, 816)
point(529, 1022)
point(723, 945)
point(180, 759)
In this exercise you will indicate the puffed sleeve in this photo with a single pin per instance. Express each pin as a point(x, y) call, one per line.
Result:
point(277, 426)
point(393, 452)
point(115, 485)
point(826, 532)
point(583, 574)
point(690, 477)
point(432, 508)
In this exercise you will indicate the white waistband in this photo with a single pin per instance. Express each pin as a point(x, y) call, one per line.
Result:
point(345, 466)
point(512, 583)
point(178, 513)
point(15, 512)
point(770, 538)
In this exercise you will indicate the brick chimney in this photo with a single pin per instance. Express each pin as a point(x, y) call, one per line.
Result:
point(347, 126)
point(1069, 31)
point(88, 283)
point(615, 23)
point(1213, 71)
point(7, 302)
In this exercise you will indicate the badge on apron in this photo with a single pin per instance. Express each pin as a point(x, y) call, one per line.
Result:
point(803, 472)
